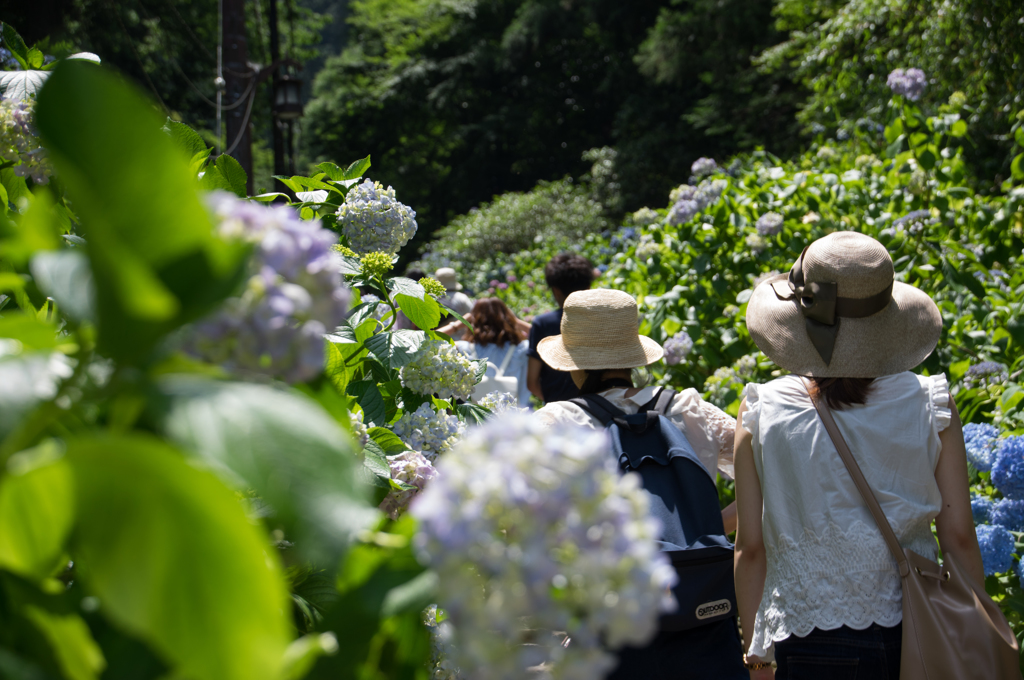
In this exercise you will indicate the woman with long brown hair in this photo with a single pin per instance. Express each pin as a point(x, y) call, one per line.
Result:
point(497, 337)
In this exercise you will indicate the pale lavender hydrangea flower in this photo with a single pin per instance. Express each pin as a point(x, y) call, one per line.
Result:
point(756, 243)
point(439, 368)
point(19, 140)
point(986, 374)
point(769, 224)
point(533, 530)
point(909, 83)
point(677, 348)
point(373, 220)
point(294, 294)
point(500, 402)
point(683, 211)
point(428, 431)
point(412, 469)
point(702, 167)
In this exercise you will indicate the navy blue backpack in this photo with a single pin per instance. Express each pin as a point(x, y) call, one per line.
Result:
point(684, 497)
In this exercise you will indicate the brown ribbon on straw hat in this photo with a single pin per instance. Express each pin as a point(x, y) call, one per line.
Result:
point(841, 313)
point(822, 307)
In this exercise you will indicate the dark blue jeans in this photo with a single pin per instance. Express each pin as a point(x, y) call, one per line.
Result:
point(841, 654)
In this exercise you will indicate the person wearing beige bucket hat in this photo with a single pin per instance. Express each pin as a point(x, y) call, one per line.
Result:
point(816, 585)
point(600, 345)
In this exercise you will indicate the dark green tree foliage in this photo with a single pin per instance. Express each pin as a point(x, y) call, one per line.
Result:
point(844, 51)
point(462, 101)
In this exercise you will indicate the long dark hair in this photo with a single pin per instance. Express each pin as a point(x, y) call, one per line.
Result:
point(839, 393)
point(493, 323)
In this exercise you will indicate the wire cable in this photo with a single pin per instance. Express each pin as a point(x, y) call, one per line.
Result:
point(245, 124)
point(138, 59)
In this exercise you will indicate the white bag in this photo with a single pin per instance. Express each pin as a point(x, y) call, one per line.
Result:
point(499, 382)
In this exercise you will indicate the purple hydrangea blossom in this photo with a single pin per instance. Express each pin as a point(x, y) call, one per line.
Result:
point(294, 295)
point(677, 348)
point(683, 211)
point(702, 167)
point(997, 547)
point(909, 83)
point(986, 374)
point(530, 528)
point(413, 469)
point(1007, 513)
point(769, 224)
point(1008, 470)
point(980, 440)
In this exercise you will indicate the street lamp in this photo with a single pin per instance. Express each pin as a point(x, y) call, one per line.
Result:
point(287, 97)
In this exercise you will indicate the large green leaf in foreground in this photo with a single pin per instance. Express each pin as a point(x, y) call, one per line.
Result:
point(282, 445)
point(155, 259)
point(173, 559)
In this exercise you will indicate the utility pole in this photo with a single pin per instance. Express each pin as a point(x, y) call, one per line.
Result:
point(276, 123)
point(238, 84)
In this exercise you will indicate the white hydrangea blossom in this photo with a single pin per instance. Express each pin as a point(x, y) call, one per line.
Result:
point(359, 429)
point(533, 530)
point(646, 248)
point(373, 220)
point(428, 431)
point(730, 378)
point(408, 467)
point(769, 224)
point(500, 402)
point(440, 369)
point(645, 216)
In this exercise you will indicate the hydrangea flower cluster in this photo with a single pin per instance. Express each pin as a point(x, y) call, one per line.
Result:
point(997, 546)
point(981, 509)
point(441, 665)
point(909, 83)
point(359, 429)
point(730, 378)
point(623, 236)
point(411, 468)
point(19, 141)
point(533, 530)
point(1007, 513)
point(645, 216)
point(432, 286)
point(913, 223)
point(756, 243)
point(682, 211)
point(986, 374)
point(769, 224)
point(677, 348)
point(688, 200)
point(1008, 470)
point(373, 220)
point(702, 167)
point(376, 264)
point(981, 439)
point(500, 402)
point(428, 431)
point(440, 369)
point(293, 297)
point(646, 249)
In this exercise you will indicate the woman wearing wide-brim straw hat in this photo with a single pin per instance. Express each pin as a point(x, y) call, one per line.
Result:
point(816, 584)
point(600, 345)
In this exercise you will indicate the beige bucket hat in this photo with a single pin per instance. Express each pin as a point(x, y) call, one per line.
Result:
point(448, 278)
point(599, 330)
point(839, 313)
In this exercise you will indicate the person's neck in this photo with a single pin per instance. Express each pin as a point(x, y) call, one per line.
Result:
point(621, 374)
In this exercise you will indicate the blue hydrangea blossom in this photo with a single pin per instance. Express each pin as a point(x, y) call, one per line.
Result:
point(981, 509)
point(986, 374)
point(534, 528)
point(981, 439)
point(997, 547)
point(1007, 513)
point(1008, 470)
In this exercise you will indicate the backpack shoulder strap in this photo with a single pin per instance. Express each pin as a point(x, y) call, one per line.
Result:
point(599, 407)
point(660, 402)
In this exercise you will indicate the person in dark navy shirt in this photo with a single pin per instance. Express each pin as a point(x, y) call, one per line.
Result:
point(565, 274)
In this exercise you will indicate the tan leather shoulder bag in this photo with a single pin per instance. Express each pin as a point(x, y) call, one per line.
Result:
point(952, 630)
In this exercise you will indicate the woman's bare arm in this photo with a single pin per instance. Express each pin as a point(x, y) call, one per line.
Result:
point(955, 524)
point(751, 563)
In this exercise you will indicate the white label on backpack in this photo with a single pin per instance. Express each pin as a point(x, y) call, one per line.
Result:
point(716, 608)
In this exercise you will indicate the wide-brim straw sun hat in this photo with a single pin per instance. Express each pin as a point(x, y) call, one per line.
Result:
point(448, 278)
point(840, 313)
point(599, 331)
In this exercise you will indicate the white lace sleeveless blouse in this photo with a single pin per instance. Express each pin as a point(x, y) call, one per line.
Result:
point(828, 565)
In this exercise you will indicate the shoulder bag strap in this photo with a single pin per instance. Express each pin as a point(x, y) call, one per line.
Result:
point(506, 360)
point(825, 413)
